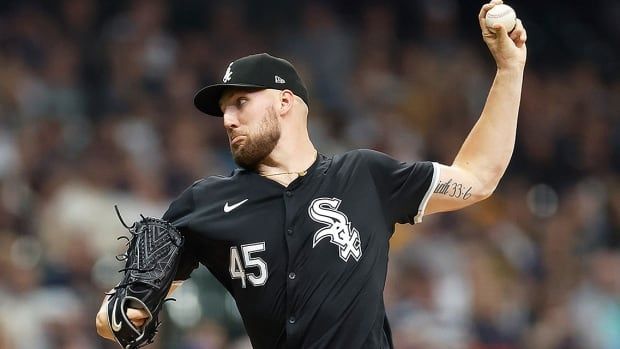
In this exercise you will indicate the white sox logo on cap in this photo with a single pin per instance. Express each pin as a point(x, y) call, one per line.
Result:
point(228, 73)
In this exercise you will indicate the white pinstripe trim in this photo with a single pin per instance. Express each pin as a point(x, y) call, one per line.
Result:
point(427, 196)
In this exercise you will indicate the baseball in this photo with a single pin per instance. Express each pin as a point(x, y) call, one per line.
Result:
point(502, 14)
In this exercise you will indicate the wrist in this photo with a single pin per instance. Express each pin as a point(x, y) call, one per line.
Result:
point(512, 68)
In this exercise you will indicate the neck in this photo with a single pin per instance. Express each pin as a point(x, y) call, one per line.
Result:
point(296, 164)
point(294, 153)
point(289, 159)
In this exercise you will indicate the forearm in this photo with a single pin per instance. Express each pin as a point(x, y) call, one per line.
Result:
point(101, 321)
point(487, 149)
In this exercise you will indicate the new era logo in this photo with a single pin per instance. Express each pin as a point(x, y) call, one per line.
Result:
point(279, 80)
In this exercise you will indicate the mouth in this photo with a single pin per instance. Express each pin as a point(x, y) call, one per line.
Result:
point(235, 140)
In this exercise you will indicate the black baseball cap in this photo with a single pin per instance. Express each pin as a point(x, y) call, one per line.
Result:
point(255, 71)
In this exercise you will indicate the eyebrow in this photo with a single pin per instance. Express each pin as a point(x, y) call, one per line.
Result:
point(226, 96)
point(234, 93)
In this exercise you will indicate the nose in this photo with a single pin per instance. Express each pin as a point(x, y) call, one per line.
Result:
point(231, 120)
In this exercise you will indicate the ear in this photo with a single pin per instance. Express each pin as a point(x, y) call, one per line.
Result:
point(287, 98)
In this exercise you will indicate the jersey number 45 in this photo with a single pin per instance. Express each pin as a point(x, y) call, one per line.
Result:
point(237, 269)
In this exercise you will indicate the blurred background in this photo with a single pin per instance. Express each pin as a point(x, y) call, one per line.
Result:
point(96, 110)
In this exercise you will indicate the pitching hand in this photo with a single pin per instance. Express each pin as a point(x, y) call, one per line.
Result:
point(508, 49)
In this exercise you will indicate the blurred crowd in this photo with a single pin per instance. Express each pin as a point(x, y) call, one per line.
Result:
point(96, 110)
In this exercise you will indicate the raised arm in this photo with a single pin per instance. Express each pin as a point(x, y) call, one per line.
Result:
point(486, 152)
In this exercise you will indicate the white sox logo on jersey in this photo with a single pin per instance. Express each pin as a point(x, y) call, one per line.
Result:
point(338, 229)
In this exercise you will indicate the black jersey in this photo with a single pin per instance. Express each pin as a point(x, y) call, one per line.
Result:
point(306, 264)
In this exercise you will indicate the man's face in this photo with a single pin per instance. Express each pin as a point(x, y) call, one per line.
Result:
point(252, 125)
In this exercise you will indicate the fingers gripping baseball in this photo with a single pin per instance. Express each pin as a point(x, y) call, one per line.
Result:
point(518, 34)
point(483, 13)
point(505, 36)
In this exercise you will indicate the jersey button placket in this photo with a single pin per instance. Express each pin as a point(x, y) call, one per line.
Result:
point(288, 198)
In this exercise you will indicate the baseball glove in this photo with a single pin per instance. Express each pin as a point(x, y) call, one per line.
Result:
point(151, 261)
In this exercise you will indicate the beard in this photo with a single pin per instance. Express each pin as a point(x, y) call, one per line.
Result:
point(259, 142)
